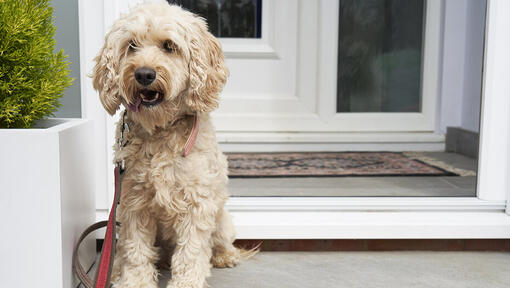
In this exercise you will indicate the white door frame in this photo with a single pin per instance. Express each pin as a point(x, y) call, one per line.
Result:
point(322, 217)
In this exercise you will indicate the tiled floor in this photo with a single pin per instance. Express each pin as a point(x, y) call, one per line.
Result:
point(366, 270)
point(449, 186)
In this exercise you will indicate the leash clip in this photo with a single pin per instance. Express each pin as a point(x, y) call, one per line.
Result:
point(121, 164)
point(120, 141)
point(124, 128)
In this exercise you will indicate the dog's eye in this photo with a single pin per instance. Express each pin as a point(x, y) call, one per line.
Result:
point(169, 46)
point(132, 46)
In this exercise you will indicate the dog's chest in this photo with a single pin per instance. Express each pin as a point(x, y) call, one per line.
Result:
point(161, 177)
point(160, 162)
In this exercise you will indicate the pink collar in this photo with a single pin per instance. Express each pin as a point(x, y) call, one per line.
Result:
point(192, 137)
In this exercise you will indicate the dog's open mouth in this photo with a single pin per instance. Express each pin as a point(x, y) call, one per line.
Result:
point(146, 98)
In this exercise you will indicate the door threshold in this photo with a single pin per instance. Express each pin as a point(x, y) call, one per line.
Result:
point(371, 225)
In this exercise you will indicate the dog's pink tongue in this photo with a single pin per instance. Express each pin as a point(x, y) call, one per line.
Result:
point(134, 107)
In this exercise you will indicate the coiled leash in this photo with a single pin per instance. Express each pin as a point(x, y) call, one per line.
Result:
point(102, 279)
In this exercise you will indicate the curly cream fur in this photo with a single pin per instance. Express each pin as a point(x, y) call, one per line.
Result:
point(168, 201)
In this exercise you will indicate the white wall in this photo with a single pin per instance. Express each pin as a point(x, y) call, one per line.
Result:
point(461, 78)
point(473, 65)
point(67, 38)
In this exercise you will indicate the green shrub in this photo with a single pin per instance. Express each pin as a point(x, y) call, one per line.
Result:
point(32, 76)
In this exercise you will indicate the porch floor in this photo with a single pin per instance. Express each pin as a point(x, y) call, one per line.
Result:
point(365, 269)
point(417, 269)
point(394, 186)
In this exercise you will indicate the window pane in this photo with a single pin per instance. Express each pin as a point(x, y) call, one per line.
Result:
point(228, 18)
point(380, 55)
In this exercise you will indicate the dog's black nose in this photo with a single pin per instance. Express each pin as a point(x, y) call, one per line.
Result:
point(145, 76)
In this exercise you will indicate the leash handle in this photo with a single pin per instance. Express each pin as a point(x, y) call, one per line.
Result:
point(77, 267)
point(102, 279)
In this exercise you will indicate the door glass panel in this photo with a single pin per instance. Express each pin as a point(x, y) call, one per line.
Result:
point(380, 55)
point(228, 18)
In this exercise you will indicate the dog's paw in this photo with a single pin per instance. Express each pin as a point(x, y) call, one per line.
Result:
point(123, 284)
point(137, 279)
point(139, 284)
point(226, 258)
point(184, 284)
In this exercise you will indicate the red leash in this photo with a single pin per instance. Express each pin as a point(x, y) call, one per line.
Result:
point(107, 252)
point(104, 271)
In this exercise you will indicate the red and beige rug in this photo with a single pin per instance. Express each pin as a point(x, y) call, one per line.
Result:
point(328, 164)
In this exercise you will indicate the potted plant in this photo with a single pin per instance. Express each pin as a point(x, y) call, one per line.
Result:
point(46, 196)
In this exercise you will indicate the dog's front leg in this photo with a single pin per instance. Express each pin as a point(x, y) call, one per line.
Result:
point(137, 253)
point(192, 254)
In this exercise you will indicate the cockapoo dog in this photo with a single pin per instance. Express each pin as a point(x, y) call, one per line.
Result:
point(162, 64)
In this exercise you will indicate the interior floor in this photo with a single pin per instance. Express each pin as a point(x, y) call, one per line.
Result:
point(390, 186)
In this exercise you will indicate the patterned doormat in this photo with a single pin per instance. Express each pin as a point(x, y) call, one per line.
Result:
point(334, 164)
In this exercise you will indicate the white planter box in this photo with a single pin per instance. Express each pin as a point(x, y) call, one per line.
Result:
point(46, 200)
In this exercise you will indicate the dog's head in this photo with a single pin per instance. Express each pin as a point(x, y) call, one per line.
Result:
point(160, 62)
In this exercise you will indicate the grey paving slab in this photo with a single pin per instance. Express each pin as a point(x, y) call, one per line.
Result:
point(366, 270)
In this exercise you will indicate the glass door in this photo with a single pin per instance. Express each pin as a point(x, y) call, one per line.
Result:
point(370, 67)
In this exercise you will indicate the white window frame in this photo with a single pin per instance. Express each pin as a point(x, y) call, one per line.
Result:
point(249, 48)
point(351, 217)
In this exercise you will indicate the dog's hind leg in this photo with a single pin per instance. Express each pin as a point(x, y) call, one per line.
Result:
point(224, 252)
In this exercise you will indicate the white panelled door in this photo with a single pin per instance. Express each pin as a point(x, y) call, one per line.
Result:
point(287, 80)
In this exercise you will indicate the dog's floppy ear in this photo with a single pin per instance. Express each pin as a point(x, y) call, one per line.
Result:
point(105, 76)
point(208, 72)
